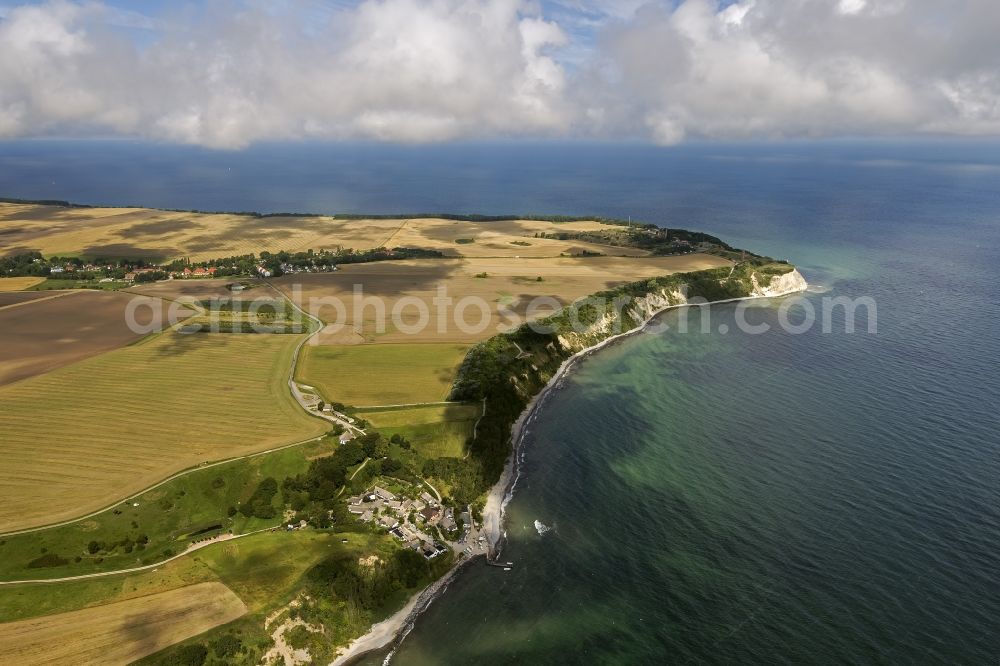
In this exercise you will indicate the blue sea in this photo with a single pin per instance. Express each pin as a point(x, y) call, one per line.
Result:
point(714, 497)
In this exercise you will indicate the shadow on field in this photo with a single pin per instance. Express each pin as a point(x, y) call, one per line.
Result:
point(157, 227)
point(143, 631)
point(178, 344)
point(127, 251)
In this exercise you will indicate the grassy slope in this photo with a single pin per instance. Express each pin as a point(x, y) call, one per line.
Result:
point(386, 374)
point(434, 431)
point(262, 569)
point(78, 438)
point(167, 515)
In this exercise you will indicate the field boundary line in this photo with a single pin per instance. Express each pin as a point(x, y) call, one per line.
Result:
point(179, 474)
point(61, 294)
point(409, 404)
point(394, 232)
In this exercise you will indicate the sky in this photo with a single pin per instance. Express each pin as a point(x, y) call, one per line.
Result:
point(228, 73)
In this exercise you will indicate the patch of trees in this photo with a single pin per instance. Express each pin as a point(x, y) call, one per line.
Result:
point(325, 476)
point(369, 588)
point(259, 505)
point(464, 476)
point(151, 276)
point(30, 264)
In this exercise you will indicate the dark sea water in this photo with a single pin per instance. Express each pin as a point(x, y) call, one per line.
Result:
point(713, 497)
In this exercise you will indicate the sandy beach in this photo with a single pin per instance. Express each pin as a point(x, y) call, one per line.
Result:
point(384, 632)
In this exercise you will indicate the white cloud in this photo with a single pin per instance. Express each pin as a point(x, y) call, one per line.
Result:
point(399, 70)
point(225, 75)
point(769, 68)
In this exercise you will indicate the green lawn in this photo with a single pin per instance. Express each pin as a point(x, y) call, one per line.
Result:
point(378, 374)
point(170, 516)
point(434, 431)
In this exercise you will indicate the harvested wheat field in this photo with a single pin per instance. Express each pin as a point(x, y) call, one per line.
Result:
point(503, 289)
point(121, 632)
point(195, 289)
point(52, 331)
point(81, 437)
point(19, 283)
point(8, 298)
point(150, 233)
point(506, 238)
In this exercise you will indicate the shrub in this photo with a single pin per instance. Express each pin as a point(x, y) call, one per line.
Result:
point(189, 655)
point(47, 560)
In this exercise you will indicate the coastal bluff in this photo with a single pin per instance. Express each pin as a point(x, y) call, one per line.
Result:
point(510, 373)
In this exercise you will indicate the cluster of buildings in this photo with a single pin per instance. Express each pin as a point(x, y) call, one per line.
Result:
point(313, 268)
point(407, 519)
point(187, 273)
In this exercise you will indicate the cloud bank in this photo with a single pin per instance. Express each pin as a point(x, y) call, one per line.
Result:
point(226, 74)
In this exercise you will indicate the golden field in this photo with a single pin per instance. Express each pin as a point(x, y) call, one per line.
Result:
point(508, 282)
point(19, 283)
point(83, 436)
point(50, 331)
point(142, 232)
point(120, 632)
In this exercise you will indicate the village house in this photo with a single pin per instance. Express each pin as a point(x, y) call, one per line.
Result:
point(447, 521)
point(357, 510)
point(430, 515)
point(388, 522)
point(384, 494)
point(130, 277)
point(428, 498)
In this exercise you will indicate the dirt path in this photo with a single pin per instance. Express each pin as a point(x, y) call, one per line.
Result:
point(100, 574)
point(293, 386)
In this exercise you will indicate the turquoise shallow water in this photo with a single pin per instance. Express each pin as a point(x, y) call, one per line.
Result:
point(714, 498)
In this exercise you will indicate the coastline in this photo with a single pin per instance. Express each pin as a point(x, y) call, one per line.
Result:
point(397, 625)
point(392, 628)
point(502, 491)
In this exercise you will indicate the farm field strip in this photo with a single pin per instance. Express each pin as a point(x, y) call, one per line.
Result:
point(40, 335)
point(120, 632)
point(19, 283)
point(362, 375)
point(13, 299)
point(149, 411)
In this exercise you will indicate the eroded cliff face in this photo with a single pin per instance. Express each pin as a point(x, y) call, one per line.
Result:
point(640, 309)
point(780, 285)
point(508, 371)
